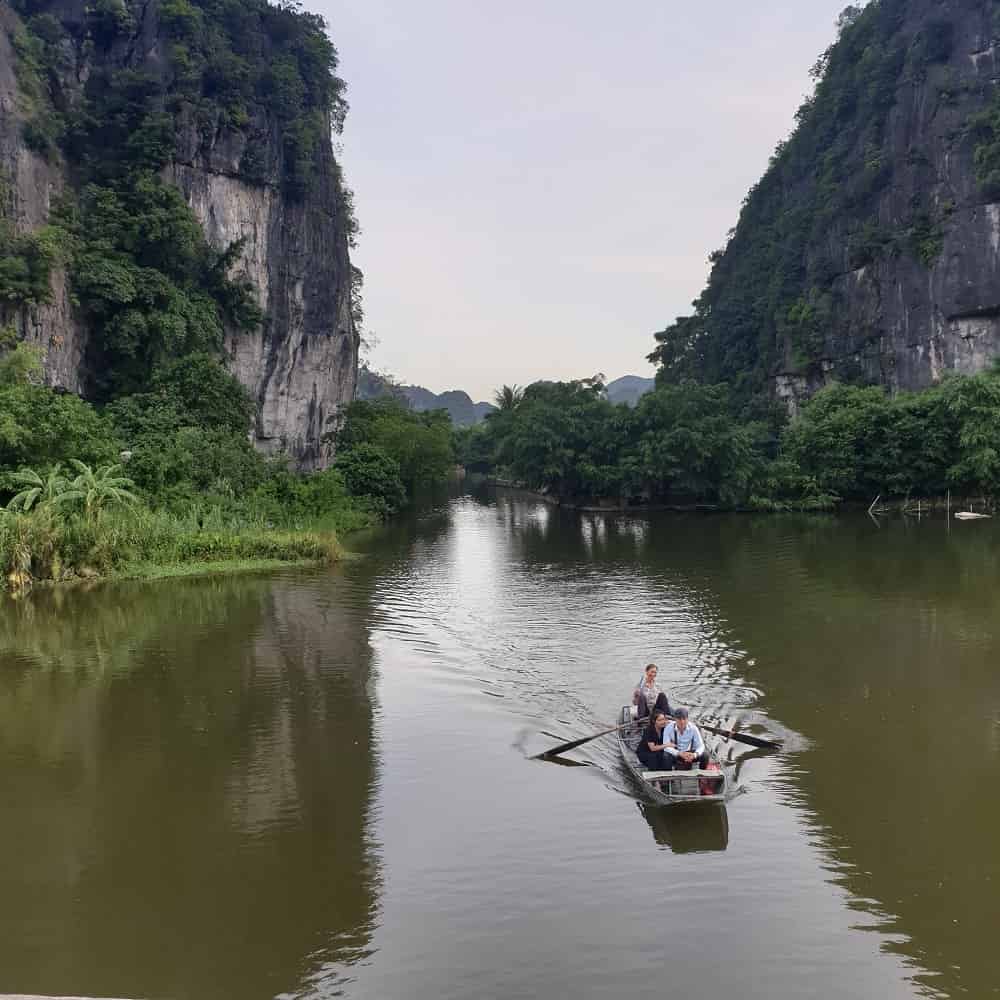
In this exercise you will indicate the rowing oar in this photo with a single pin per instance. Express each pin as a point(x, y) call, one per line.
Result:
point(729, 734)
point(754, 741)
point(563, 747)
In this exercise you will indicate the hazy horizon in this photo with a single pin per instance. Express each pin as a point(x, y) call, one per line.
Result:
point(539, 189)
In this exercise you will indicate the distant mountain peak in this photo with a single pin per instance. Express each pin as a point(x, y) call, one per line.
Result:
point(462, 410)
point(629, 389)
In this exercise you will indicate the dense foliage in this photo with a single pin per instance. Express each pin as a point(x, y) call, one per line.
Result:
point(691, 443)
point(813, 215)
point(26, 262)
point(147, 282)
point(985, 128)
point(387, 450)
point(232, 68)
point(176, 464)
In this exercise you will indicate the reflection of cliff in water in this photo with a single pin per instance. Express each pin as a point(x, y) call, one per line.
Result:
point(187, 770)
point(688, 829)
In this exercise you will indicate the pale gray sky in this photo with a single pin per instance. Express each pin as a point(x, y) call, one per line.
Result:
point(539, 183)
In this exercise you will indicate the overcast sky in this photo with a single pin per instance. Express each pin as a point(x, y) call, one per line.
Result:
point(539, 182)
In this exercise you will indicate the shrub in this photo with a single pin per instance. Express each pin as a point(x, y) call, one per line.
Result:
point(26, 263)
point(369, 471)
point(205, 392)
point(40, 427)
point(419, 442)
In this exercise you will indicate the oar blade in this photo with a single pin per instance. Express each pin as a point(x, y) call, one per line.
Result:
point(573, 744)
point(754, 741)
point(757, 741)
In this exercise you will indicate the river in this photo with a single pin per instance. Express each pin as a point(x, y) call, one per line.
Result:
point(318, 783)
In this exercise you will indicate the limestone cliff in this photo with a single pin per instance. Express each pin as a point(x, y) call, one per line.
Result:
point(870, 250)
point(233, 162)
point(28, 185)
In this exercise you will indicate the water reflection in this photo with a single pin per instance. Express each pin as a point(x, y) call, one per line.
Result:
point(193, 806)
point(861, 637)
point(508, 877)
point(165, 756)
point(869, 640)
point(687, 830)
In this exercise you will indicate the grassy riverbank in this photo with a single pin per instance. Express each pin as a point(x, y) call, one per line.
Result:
point(43, 546)
point(225, 567)
point(168, 483)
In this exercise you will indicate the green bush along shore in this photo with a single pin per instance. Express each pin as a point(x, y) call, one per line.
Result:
point(166, 481)
point(692, 443)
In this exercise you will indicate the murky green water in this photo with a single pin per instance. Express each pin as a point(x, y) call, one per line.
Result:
point(316, 784)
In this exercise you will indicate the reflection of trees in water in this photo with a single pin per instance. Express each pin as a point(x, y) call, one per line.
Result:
point(867, 640)
point(688, 829)
point(545, 534)
point(188, 770)
point(863, 638)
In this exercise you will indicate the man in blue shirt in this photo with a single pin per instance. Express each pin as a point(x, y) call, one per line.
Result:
point(683, 745)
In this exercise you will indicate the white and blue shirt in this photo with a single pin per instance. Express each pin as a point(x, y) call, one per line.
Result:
point(689, 740)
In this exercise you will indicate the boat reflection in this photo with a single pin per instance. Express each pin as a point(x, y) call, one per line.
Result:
point(688, 829)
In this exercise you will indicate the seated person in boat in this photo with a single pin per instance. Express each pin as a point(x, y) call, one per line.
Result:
point(647, 696)
point(683, 745)
point(650, 750)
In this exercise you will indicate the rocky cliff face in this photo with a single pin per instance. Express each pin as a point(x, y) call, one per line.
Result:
point(870, 251)
point(300, 365)
point(28, 185)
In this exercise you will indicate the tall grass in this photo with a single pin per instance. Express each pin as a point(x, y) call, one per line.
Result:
point(46, 544)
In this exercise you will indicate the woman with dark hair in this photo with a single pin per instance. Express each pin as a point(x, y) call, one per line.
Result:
point(651, 746)
point(647, 696)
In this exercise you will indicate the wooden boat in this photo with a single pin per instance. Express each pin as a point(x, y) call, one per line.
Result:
point(968, 515)
point(670, 788)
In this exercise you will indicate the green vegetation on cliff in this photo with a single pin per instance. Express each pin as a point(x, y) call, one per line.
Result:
point(819, 212)
point(148, 284)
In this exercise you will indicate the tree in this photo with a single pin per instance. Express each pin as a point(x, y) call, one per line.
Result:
point(973, 404)
point(508, 398)
point(564, 437)
point(95, 489)
point(369, 471)
point(205, 392)
point(38, 491)
point(419, 442)
point(686, 441)
point(39, 426)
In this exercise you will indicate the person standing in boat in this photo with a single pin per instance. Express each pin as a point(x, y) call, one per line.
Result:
point(683, 745)
point(652, 745)
point(647, 696)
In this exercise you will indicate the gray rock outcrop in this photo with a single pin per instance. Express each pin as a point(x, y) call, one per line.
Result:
point(300, 366)
point(28, 186)
point(899, 320)
point(869, 252)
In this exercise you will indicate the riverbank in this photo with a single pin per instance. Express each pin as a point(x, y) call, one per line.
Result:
point(911, 506)
point(593, 505)
point(42, 549)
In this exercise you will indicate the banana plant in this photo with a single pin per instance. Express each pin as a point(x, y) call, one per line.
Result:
point(95, 489)
point(37, 491)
